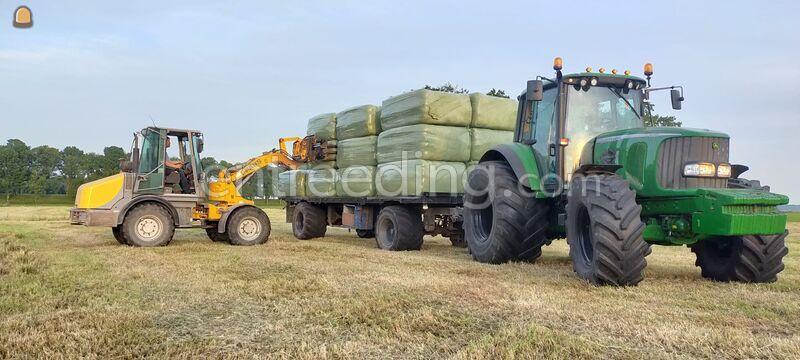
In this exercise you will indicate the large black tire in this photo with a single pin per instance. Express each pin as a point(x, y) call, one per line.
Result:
point(399, 228)
point(248, 226)
point(750, 259)
point(118, 235)
point(605, 231)
point(309, 221)
point(365, 234)
point(501, 222)
point(148, 225)
point(216, 236)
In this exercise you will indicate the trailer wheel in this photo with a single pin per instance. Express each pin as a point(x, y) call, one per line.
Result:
point(118, 235)
point(399, 228)
point(365, 234)
point(750, 258)
point(148, 225)
point(215, 235)
point(309, 221)
point(605, 231)
point(501, 223)
point(248, 226)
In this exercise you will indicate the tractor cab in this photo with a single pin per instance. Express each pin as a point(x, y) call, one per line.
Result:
point(166, 161)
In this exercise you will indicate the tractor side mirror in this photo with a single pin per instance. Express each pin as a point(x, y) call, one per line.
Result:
point(676, 99)
point(535, 90)
point(199, 145)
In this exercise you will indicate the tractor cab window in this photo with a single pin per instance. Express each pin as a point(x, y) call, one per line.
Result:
point(598, 110)
point(149, 160)
point(544, 119)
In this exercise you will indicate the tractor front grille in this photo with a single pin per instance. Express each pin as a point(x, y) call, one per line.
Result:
point(676, 152)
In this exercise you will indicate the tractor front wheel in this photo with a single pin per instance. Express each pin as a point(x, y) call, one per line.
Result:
point(117, 231)
point(750, 259)
point(605, 231)
point(148, 225)
point(248, 226)
point(215, 235)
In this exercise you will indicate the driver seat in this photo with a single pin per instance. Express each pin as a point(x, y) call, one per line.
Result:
point(171, 180)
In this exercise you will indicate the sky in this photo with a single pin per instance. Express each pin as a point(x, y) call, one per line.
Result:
point(245, 73)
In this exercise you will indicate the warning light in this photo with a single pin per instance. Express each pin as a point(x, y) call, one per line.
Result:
point(23, 18)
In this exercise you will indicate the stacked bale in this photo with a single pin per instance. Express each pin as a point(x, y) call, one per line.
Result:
point(320, 176)
point(493, 122)
point(424, 144)
point(292, 183)
point(357, 129)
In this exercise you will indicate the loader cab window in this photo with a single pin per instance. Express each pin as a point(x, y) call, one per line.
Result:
point(149, 159)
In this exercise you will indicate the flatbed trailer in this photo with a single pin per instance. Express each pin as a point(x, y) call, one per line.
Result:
point(396, 222)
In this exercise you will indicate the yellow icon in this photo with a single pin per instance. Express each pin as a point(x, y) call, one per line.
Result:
point(23, 18)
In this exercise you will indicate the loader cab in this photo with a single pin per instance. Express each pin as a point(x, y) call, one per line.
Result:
point(154, 148)
point(570, 111)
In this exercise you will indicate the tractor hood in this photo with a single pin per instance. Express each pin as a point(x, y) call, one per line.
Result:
point(100, 194)
point(652, 159)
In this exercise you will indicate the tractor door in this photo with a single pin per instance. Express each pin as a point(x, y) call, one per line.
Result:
point(150, 175)
point(541, 129)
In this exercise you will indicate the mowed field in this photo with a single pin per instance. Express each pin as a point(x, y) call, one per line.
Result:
point(74, 292)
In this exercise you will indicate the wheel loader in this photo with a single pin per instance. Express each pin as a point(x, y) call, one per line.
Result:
point(583, 167)
point(143, 204)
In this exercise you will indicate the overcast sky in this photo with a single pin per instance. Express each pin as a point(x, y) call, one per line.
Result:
point(89, 73)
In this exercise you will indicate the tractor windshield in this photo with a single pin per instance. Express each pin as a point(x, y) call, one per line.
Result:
point(598, 110)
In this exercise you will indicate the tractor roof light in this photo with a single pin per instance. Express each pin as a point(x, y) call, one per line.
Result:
point(629, 84)
point(558, 64)
point(724, 170)
point(614, 71)
point(648, 69)
point(602, 70)
point(588, 69)
point(584, 82)
point(593, 81)
point(627, 72)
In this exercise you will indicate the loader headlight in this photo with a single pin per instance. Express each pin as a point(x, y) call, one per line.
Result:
point(724, 170)
point(700, 170)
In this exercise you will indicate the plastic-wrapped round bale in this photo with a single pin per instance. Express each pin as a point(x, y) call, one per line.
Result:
point(323, 126)
point(426, 107)
point(357, 151)
point(483, 140)
point(417, 177)
point(359, 121)
point(426, 142)
point(356, 181)
point(492, 112)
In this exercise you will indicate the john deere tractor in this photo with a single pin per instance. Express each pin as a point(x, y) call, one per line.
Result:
point(584, 167)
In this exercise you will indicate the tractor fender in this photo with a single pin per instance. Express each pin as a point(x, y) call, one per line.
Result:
point(148, 198)
point(522, 161)
point(223, 220)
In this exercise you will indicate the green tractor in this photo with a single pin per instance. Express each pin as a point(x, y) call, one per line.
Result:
point(583, 166)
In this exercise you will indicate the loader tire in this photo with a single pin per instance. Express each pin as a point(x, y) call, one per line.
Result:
point(215, 235)
point(399, 228)
point(248, 226)
point(501, 222)
point(605, 231)
point(148, 225)
point(309, 221)
point(749, 258)
point(118, 235)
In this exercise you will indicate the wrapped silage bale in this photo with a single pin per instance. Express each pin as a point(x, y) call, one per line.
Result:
point(483, 140)
point(357, 151)
point(274, 176)
point(426, 107)
point(492, 112)
point(319, 165)
point(323, 126)
point(292, 183)
point(359, 121)
point(356, 181)
point(416, 177)
point(321, 183)
point(426, 142)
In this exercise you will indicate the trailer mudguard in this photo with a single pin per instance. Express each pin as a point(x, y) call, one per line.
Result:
point(521, 159)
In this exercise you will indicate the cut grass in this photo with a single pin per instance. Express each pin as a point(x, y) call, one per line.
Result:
point(794, 217)
point(74, 292)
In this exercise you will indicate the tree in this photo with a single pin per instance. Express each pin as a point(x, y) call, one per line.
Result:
point(15, 159)
point(45, 162)
point(110, 162)
point(498, 93)
point(73, 168)
point(448, 87)
point(651, 119)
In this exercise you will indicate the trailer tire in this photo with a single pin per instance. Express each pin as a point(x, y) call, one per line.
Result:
point(365, 234)
point(309, 221)
point(501, 222)
point(215, 235)
point(749, 258)
point(248, 226)
point(399, 228)
point(148, 225)
point(119, 235)
point(605, 231)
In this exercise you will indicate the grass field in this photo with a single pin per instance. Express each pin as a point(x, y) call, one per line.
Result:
point(74, 292)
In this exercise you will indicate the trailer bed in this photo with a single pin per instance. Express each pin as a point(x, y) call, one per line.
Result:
point(424, 199)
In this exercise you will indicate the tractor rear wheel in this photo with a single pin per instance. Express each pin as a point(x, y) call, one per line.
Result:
point(117, 231)
point(501, 222)
point(750, 258)
point(605, 231)
point(148, 225)
point(365, 234)
point(248, 226)
point(399, 228)
point(309, 221)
